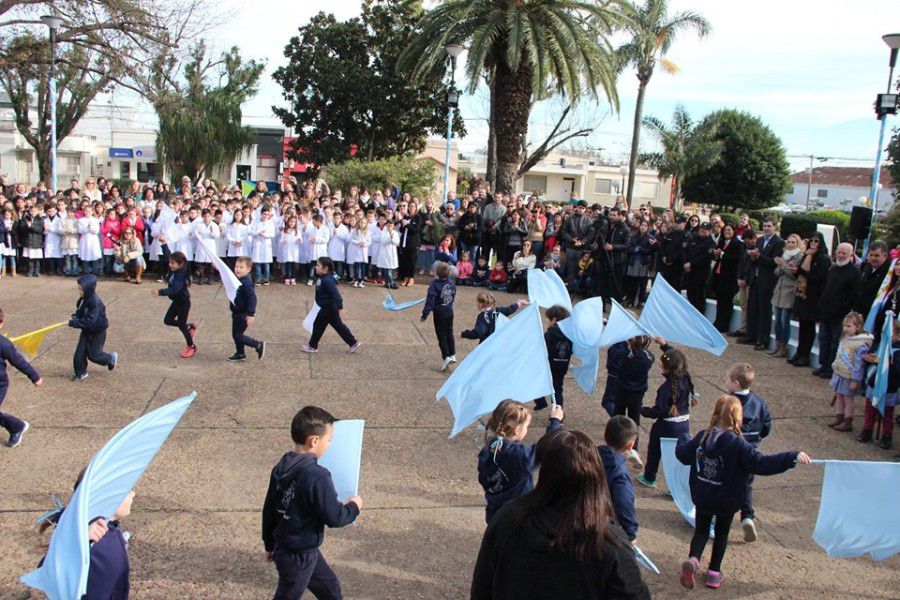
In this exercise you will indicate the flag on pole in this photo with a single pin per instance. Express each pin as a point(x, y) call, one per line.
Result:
point(644, 560)
point(30, 342)
point(669, 315)
point(585, 328)
point(620, 326)
point(883, 368)
point(229, 280)
point(344, 456)
point(546, 289)
point(391, 304)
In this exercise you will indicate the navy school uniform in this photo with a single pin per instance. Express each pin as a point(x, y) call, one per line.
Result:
point(108, 577)
point(504, 470)
point(177, 291)
point(90, 317)
point(9, 354)
point(668, 423)
point(634, 371)
point(559, 351)
point(614, 357)
point(330, 305)
point(621, 490)
point(486, 322)
point(756, 425)
point(440, 298)
point(244, 306)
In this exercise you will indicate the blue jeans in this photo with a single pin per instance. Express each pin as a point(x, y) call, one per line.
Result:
point(425, 258)
point(829, 337)
point(386, 275)
point(262, 271)
point(71, 264)
point(783, 324)
point(359, 270)
point(290, 270)
point(339, 269)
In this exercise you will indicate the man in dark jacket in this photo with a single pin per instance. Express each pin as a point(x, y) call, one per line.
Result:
point(762, 280)
point(576, 236)
point(615, 246)
point(470, 231)
point(90, 318)
point(872, 274)
point(697, 257)
point(834, 304)
point(671, 252)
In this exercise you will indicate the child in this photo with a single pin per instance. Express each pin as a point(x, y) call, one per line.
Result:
point(464, 269)
point(8, 353)
point(486, 321)
point(331, 309)
point(337, 243)
point(319, 236)
point(263, 233)
point(614, 357)
point(387, 256)
point(497, 278)
point(721, 460)
point(90, 318)
point(849, 369)
point(871, 414)
point(621, 435)
point(674, 399)
point(559, 350)
point(583, 283)
point(238, 234)
point(756, 424)
point(358, 253)
point(243, 312)
point(290, 250)
point(554, 260)
point(482, 272)
point(300, 501)
point(207, 233)
point(180, 296)
point(632, 381)
point(505, 464)
point(441, 294)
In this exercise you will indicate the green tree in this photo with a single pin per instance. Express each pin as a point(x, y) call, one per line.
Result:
point(343, 89)
point(685, 148)
point(752, 171)
point(652, 32)
point(410, 175)
point(525, 50)
point(200, 119)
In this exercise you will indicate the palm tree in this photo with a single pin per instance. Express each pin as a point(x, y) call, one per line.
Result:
point(652, 32)
point(524, 50)
point(685, 148)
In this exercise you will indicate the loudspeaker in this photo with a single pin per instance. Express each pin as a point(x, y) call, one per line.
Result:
point(860, 220)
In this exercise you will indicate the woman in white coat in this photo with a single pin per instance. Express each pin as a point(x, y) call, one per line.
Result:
point(389, 240)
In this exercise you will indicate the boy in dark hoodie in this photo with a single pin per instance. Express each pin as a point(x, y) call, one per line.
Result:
point(90, 318)
point(243, 312)
point(559, 351)
point(331, 309)
point(441, 294)
point(8, 353)
point(300, 502)
point(620, 435)
point(614, 357)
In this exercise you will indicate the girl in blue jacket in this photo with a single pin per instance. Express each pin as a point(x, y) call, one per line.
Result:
point(721, 461)
point(179, 293)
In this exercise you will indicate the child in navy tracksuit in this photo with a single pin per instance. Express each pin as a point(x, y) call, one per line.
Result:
point(559, 351)
point(671, 410)
point(441, 294)
point(632, 380)
point(300, 502)
point(756, 425)
point(331, 305)
point(8, 353)
point(90, 318)
point(243, 312)
point(721, 460)
point(486, 321)
point(614, 357)
point(620, 435)
point(505, 464)
point(178, 292)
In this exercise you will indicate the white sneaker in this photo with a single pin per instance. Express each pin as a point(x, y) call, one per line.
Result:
point(635, 459)
point(452, 359)
point(749, 529)
point(309, 282)
point(445, 365)
point(362, 284)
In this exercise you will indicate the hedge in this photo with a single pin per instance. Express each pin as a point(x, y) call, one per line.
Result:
point(735, 218)
point(804, 224)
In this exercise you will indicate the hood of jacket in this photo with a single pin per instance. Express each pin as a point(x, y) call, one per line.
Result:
point(88, 284)
point(291, 463)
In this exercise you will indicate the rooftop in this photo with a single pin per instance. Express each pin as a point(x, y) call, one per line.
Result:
point(855, 177)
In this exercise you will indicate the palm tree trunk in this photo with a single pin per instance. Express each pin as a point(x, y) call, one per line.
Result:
point(490, 174)
point(511, 99)
point(635, 139)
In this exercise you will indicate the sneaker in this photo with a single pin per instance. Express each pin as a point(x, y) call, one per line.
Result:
point(749, 530)
point(237, 357)
point(354, 348)
point(643, 481)
point(79, 377)
point(635, 459)
point(689, 570)
point(16, 438)
point(261, 351)
point(114, 362)
point(192, 329)
point(714, 579)
point(309, 282)
point(445, 365)
point(355, 284)
point(308, 349)
point(189, 351)
point(452, 358)
point(265, 282)
point(362, 284)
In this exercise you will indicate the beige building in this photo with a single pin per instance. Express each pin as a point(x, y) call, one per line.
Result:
point(435, 152)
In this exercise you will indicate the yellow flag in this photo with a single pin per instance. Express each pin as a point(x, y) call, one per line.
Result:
point(31, 341)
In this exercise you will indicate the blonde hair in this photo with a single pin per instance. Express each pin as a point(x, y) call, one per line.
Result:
point(728, 414)
point(742, 374)
point(508, 415)
point(800, 243)
point(485, 300)
point(857, 319)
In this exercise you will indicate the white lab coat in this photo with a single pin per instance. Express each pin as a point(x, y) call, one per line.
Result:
point(358, 247)
point(320, 236)
point(209, 234)
point(89, 243)
point(387, 255)
point(52, 237)
point(263, 234)
point(238, 236)
point(290, 247)
point(337, 243)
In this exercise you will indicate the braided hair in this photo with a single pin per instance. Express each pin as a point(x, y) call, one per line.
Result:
point(674, 366)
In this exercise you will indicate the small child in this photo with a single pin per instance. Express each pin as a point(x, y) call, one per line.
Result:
point(498, 277)
point(583, 282)
point(8, 353)
point(559, 351)
point(243, 312)
point(505, 464)
point(721, 461)
point(331, 309)
point(849, 369)
point(180, 295)
point(871, 415)
point(482, 272)
point(90, 318)
point(632, 382)
point(621, 435)
point(674, 399)
point(464, 269)
point(441, 294)
point(486, 321)
point(300, 502)
point(614, 357)
point(756, 424)
point(554, 260)
point(263, 235)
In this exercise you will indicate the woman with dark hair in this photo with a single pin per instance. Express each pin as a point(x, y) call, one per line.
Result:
point(409, 241)
point(560, 540)
point(725, 275)
point(811, 276)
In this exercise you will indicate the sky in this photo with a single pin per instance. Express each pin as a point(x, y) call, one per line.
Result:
point(809, 69)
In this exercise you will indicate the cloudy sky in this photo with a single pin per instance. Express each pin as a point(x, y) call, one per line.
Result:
point(809, 69)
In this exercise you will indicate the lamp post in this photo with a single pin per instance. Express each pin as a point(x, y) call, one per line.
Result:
point(53, 23)
point(885, 104)
point(453, 51)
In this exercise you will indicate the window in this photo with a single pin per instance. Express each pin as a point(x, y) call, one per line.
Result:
point(266, 167)
point(821, 193)
point(647, 189)
point(602, 186)
point(124, 169)
point(69, 166)
point(146, 172)
point(535, 184)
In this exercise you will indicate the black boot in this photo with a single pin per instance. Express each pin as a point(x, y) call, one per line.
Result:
point(885, 443)
point(864, 436)
point(803, 361)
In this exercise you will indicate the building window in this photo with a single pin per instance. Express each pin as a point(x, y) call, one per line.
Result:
point(535, 184)
point(647, 189)
point(266, 167)
point(70, 166)
point(822, 193)
point(146, 172)
point(602, 186)
point(124, 169)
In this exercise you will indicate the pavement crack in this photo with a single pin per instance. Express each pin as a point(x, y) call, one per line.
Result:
point(153, 396)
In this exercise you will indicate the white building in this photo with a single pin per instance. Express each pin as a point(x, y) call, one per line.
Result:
point(840, 188)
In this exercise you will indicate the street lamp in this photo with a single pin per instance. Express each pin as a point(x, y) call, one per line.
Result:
point(453, 51)
point(53, 23)
point(885, 104)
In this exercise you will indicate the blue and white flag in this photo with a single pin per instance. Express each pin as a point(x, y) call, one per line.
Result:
point(878, 302)
point(883, 368)
point(669, 315)
point(585, 328)
point(858, 511)
point(391, 304)
point(110, 476)
point(344, 456)
point(546, 289)
point(644, 560)
point(678, 478)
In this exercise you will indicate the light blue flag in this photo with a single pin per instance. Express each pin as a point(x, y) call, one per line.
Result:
point(858, 511)
point(546, 289)
point(500, 321)
point(585, 328)
point(620, 326)
point(519, 352)
point(678, 477)
point(644, 560)
point(883, 368)
point(344, 456)
point(878, 302)
point(668, 314)
point(391, 304)
point(110, 476)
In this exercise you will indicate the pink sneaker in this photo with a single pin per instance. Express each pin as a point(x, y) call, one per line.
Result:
point(308, 349)
point(714, 579)
point(689, 570)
